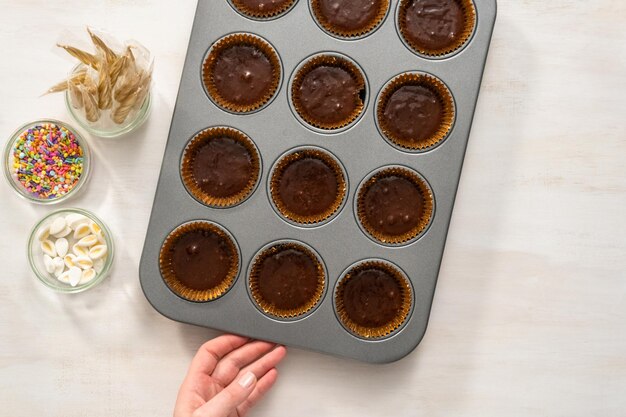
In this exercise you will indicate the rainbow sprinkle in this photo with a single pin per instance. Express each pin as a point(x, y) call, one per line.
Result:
point(47, 161)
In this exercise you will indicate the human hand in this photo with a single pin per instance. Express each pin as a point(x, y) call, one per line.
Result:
point(227, 377)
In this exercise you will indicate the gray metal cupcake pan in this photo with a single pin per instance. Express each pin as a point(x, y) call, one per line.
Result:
point(361, 150)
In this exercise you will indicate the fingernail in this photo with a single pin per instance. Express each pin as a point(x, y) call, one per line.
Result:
point(247, 380)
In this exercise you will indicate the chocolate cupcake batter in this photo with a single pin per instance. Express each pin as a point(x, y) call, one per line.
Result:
point(372, 298)
point(201, 259)
point(349, 15)
point(222, 167)
point(263, 7)
point(308, 187)
point(243, 75)
point(393, 206)
point(288, 279)
point(413, 114)
point(433, 25)
point(328, 95)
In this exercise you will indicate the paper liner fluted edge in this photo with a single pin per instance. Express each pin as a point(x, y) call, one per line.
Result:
point(299, 154)
point(179, 288)
point(241, 39)
point(268, 308)
point(386, 329)
point(189, 154)
point(383, 9)
point(435, 85)
point(425, 218)
point(469, 25)
point(262, 15)
point(332, 61)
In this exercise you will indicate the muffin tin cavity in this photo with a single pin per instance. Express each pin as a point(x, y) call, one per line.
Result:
point(328, 92)
point(436, 28)
point(307, 200)
point(221, 167)
point(415, 111)
point(394, 205)
point(287, 280)
point(200, 261)
point(263, 9)
point(349, 19)
point(308, 186)
point(373, 299)
point(241, 73)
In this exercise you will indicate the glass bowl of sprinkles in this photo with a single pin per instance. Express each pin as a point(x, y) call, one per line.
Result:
point(70, 250)
point(46, 161)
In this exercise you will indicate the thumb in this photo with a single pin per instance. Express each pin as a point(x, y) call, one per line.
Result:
point(229, 398)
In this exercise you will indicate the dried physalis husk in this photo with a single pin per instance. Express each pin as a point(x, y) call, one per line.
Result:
point(92, 112)
point(84, 57)
point(90, 100)
point(105, 100)
point(77, 77)
point(128, 83)
point(108, 53)
point(144, 89)
point(76, 94)
point(115, 70)
point(123, 108)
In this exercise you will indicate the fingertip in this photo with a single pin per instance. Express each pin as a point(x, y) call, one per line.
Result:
point(268, 380)
point(281, 352)
point(272, 374)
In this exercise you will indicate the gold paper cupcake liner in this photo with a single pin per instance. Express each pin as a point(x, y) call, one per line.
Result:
point(427, 213)
point(167, 272)
point(244, 9)
point(240, 39)
point(469, 12)
point(435, 85)
point(331, 61)
point(384, 330)
point(297, 155)
point(267, 307)
point(357, 33)
point(187, 166)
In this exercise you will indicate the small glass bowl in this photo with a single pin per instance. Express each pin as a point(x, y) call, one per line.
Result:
point(105, 128)
point(35, 254)
point(19, 188)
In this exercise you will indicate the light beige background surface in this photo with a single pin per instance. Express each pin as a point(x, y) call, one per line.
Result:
point(529, 317)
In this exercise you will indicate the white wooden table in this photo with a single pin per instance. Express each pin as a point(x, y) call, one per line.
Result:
point(529, 316)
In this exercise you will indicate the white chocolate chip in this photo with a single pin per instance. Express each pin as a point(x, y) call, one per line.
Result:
point(80, 250)
point(83, 262)
point(88, 275)
point(44, 233)
point(69, 260)
point(88, 241)
point(75, 274)
point(98, 265)
point(64, 277)
point(57, 226)
point(62, 245)
point(81, 231)
point(48, 248)
point(58, 262)
point(63, 233)
point(98, 251)
point(74, 220)
point(59, 266)
point(47, 262)
point(95, 229)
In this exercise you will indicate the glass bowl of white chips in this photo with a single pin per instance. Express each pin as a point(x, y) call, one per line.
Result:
point(70, 250)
